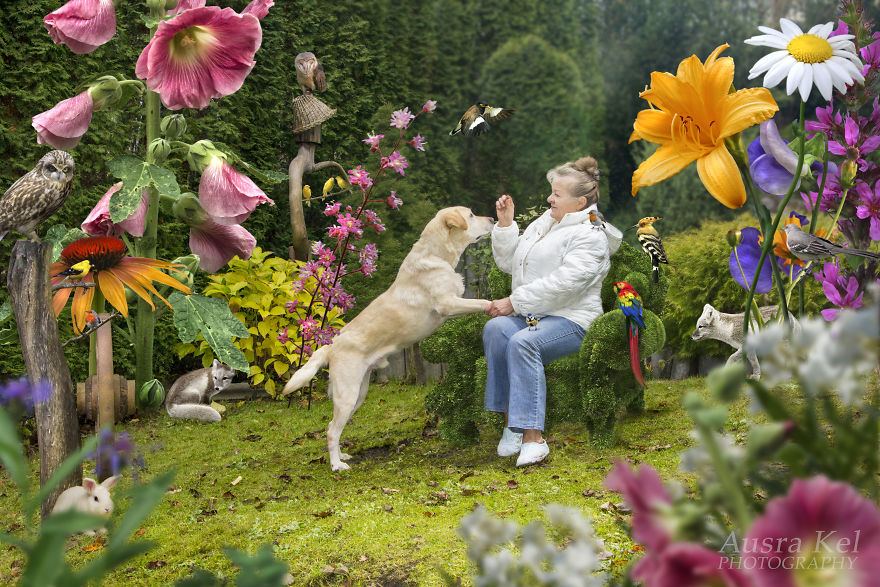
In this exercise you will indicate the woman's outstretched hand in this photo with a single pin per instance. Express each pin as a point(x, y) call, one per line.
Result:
point(501, 307)
point(504, 207)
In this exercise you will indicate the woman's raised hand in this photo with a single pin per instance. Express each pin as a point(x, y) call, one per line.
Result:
point(504, 207)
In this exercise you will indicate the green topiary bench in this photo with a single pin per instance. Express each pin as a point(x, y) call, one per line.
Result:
point(591, 387)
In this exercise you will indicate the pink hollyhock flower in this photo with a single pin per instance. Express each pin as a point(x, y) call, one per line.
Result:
point(429, 106)
point(418, 142)
point(98, 222)
point(373, 141)
point(687, 564)
point(201, 53)
point(870, 207)
point(644, 493)
point(227, 195)
point(393, 201)
point(396, 161)
point(360, 177)
point(82, 25)
point(186, 5)
point(216, 244)
point(829, 531)
point(401, 118)
point(64, 125)
point(259, 8)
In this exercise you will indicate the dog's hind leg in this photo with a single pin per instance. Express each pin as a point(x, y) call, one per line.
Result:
point(347, 373)
point(362, 395)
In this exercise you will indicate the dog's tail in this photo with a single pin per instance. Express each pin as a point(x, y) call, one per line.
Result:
point(305, 373)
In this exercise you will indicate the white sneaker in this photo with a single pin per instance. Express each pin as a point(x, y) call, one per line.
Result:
point(532, 452)
point(510, 443)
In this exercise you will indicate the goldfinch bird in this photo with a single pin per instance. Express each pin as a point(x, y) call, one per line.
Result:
point(475, 121)
point(649, 238)
point(76, 271)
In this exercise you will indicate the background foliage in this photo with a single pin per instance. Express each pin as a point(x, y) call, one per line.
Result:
point(572, 68)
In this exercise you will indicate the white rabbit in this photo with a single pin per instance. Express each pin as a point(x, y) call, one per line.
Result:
point(91, 498)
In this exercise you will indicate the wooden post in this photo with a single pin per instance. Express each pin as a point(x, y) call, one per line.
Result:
point(104, 372)
point(57, 423)
point(304, 162)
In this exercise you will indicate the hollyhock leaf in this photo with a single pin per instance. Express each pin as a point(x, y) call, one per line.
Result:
point(165, 181)
point(135, 175)
point(212, 318)
point(264, 175)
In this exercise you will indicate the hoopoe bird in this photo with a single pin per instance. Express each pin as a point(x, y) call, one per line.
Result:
point(649, 238)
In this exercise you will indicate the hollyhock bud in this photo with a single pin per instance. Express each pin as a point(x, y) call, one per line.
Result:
point(200, 154)
point(105, 91)
point(170, 4)
point(848, 172)
point(151, 395)
point(173, 126)
point(158, 150)
point(82, 25)
point(188, 209)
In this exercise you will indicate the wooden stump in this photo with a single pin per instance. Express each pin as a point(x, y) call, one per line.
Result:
point(57, 425)
point(123, 398)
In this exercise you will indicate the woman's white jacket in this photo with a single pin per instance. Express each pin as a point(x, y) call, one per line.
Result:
point(557, 268)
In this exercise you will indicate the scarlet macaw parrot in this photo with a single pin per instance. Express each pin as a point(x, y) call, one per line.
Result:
point(630, 303)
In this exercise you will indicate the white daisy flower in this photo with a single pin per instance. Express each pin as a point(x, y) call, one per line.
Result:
point(807, 59)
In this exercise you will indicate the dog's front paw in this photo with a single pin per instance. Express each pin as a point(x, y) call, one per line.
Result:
point(340, 466)
point(345, 456)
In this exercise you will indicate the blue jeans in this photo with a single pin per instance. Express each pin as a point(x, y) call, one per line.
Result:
point(516, 357)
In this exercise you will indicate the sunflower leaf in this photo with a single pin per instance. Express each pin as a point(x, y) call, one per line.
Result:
point(195, 314)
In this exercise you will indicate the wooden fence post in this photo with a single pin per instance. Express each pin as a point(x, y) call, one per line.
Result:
point(57, 424)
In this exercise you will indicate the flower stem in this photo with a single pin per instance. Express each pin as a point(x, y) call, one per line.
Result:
point(769, 232)
point(145, 321)
point(98, 308)
point(740, 512)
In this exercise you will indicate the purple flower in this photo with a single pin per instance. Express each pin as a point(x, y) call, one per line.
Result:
point(114, 453)
point(24, 393)
point(841, 295)
point(372, 219)
point(367, 256)
point(857, 144)
point(396, 161)
point(348, 225)
point(818, 521)
point(871, 57)
point(373, 141)
point(429, 106)
point(282, 336)
point(749, 252)
point(772, 163)
point(291, 308)
point(828, 122)
point(687, 564)
point(360, 177)
point(324, 254)
point(644, 493)
point(418, 142)
point(870, 207)
point(393, 201)
point(401, 118)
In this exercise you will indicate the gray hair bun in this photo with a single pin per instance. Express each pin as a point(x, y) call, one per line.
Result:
point(589, 166)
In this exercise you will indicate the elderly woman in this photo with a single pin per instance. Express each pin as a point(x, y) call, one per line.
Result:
point(558, 265)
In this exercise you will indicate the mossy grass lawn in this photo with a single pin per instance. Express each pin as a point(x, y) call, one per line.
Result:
point(261, 476)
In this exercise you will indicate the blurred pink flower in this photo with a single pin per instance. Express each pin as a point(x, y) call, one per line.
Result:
point(82, 25)
point(393, 201)
point(418, 142)
point(373, 141)
point(687, 564)
point(185, 5)
point(429, 106)
point(64, 125)
point(401, 118)
point(227, 195)
point(201, 53)
point(827, 527)
point(870, 207)
point(259, 8)
point(396, 161)
point(216, 244)
point(98, 222)
point(644, 493)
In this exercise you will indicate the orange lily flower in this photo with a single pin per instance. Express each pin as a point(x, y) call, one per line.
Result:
point(691, 114)
point(110, 270)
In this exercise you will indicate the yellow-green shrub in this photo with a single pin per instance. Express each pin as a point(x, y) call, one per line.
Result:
point(257, 291)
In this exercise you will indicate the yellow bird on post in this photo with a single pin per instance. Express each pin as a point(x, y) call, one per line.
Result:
point(307, 192)
point(649, 238)
point(328, 185)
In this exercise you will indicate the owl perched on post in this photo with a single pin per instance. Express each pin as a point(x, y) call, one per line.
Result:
point(309, 73)
point(36, 195)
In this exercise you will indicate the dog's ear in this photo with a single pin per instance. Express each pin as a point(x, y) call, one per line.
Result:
point(455, 219)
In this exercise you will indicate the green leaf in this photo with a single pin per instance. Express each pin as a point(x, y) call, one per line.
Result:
point(60, 236)
point(61, 473)
point(144, 499)
point(135, 175)
point(194, 314)
point(10, 453)
point(8, 327)
point(165, 181)
point(260, 570)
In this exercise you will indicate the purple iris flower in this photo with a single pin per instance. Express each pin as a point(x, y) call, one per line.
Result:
point(114, 453)
point(772, 163)
point(748, 252)
point(22, 392)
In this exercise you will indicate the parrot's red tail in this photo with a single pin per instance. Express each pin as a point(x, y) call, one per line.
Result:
point(634, 360)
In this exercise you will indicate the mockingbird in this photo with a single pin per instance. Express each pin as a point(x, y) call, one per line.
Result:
point(809, 247)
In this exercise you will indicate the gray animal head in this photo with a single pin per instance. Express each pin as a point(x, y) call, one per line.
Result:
point(706, 323)
point(221, 375)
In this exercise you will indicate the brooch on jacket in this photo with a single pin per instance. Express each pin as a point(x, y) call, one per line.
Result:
point(532, 322)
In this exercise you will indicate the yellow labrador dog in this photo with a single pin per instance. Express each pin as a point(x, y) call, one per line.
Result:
point(426, 292)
